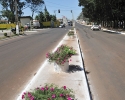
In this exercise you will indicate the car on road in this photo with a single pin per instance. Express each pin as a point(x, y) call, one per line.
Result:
point(95, 27)
point(70, 23)
point(61, 25)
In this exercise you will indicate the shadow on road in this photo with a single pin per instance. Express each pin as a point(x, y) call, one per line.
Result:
point(74, 68)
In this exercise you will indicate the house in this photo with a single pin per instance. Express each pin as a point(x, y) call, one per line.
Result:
point(25, 20)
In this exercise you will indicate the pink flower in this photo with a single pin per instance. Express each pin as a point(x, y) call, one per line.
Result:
point(47, 55)
point(52, 89)
point(46, 88)
point(53, 96)
point(29, 94)
point(23, 96)
point(61, 95)
point(64, 87)
point(32, 98)
point(42, 89)
point(69, 98)
point(70, 60)
point(24, 93)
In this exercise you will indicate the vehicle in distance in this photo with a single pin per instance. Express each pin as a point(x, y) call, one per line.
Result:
point(95, 27)
point(61, 25)
point(70, 23)
point(36, 24)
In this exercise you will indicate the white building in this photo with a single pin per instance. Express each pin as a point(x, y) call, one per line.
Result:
point(25, 19)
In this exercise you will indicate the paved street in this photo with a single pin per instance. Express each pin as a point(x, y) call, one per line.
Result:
point(104, 59)
point(103, 52)
point(21, 57)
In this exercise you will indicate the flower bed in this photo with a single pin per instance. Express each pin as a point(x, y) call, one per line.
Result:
point(49, 92)
point(61, 55)
point(70, 33)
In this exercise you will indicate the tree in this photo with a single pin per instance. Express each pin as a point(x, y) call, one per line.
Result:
point(111, 11)
point(35, 5)
point(46, 15)
point(40, 17)
point(53, 17)
point(8, 14)
point(8, 6)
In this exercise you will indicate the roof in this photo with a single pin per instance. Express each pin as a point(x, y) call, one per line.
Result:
point(26, 17)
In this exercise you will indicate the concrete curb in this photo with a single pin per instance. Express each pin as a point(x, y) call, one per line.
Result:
point(82, 57)
point(117, 32)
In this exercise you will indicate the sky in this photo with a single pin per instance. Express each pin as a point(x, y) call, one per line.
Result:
point(65, 7)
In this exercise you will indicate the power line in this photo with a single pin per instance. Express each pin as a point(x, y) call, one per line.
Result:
point(60, 5)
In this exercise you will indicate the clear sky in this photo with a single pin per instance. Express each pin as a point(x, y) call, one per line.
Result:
point(65, 7)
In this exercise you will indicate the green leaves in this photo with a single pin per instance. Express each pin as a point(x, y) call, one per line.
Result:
point(61, 55)
point(98, 10)
point(58, 93)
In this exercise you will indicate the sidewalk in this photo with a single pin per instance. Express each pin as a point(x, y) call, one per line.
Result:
point(74, 79)
point(112, 31)
point(107, 30)
point(9, 33)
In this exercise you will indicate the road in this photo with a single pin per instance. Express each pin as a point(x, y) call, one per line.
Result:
point(104, 59)
point(21, 57)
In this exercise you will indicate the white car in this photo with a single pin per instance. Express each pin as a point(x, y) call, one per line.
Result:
point(95, 27)
point(62, 25)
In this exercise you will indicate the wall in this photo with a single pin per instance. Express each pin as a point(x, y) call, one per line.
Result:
point(24, 21)
point(7, 26)
point(48, 24)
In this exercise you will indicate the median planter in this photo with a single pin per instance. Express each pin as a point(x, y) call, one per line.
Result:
point(71, 34)
point(49, 92)
point(61, 68)
point(61, 58)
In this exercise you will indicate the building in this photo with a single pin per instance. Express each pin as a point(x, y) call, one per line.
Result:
point(25, 20)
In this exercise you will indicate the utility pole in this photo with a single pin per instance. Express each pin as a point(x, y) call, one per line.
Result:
point(73, 19)
point(55, 12)
point(16, 18)
point(55, 16)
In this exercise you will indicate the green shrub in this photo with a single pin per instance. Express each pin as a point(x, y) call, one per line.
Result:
point(72, 28)
point(3, 28)
point(61, 55)
point(49, 92)
point(5, 34)
point(70, 33)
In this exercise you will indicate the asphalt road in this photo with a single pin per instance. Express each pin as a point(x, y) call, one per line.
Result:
point(21, 57)
point(104, 58)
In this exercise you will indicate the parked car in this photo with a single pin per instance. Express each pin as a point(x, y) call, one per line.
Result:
point(95, 27)
point(62, 25)
point(36, 24)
